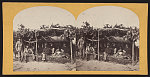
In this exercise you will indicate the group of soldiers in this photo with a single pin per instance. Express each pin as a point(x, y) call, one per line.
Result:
point(59, 52)
point(23, 52)
point(88, 52)
point(115, 52)
point(83, 50)
point(26, 51)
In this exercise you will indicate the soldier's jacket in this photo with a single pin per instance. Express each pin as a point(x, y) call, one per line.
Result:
point(18, 46)
point(80, 43)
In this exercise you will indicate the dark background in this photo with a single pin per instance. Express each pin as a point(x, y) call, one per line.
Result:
point(71, 1)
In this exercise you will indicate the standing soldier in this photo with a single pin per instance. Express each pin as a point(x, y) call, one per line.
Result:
point(19, 49)
point(45, 52)
point(81, 47)
point(106, 53)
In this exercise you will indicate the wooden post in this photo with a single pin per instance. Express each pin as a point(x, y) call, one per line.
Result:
point(132, 53)
point(71, 51)
point(98, 45)
point(36, 46)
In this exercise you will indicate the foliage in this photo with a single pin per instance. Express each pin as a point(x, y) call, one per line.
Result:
point(133, 34)
point(87, 30)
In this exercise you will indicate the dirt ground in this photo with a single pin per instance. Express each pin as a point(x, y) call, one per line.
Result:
point(80, 65)
point(94, 65)
point(42, 66)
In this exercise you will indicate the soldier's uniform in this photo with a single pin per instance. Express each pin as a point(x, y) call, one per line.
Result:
point(81, 47)
point(90, 53)
point(106, 53)
point(19, 49)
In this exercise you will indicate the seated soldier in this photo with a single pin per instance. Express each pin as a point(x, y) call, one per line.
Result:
point(30, 51)
point(90, 52)
point(120, 53)
point(125, 55)
point(59, 53)
point(25, 53)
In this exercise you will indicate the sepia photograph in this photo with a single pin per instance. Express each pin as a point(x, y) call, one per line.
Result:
point(101, 38)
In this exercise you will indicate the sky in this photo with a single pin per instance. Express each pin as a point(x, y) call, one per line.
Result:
point(101, 15)
point(34, 17)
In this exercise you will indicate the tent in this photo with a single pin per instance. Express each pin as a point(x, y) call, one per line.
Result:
point(54, 39)
point(117, 39)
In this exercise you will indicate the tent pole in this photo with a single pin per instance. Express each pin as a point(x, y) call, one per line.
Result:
point(98, 45)
point(133, 53)
point(71, 50)
point(36, 45)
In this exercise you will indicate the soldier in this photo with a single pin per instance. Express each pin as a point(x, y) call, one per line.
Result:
point(81, 47)
point(52, 49)
point(106, 53)
point(46, 50)
point(31, 53)
point(19, 49)
point(90, 52)
point(26, 53)
point(59, 52)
